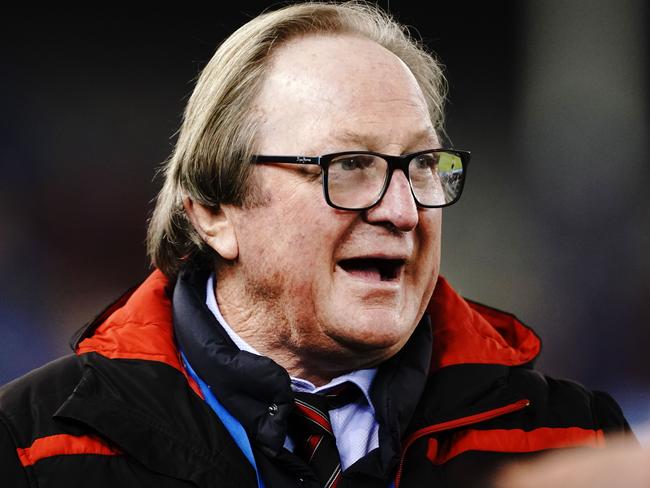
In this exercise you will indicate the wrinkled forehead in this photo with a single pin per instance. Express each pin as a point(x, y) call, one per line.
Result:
point(344, 89)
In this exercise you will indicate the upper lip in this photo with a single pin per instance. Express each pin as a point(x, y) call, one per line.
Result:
point(379, 255)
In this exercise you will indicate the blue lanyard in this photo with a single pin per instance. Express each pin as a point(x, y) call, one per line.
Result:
point(233, 426)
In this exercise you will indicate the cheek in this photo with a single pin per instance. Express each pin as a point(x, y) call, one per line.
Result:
point(295, 244)
point(429, 234)
point(429, 265)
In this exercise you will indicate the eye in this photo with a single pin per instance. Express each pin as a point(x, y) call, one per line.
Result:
point(354, 162)
point(425, 161)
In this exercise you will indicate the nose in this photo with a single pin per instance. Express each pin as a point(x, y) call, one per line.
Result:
point(397, 206)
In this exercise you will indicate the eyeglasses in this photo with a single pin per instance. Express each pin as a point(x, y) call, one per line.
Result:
point(358, 180)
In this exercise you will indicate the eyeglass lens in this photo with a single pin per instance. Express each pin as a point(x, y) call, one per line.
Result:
point(357, 180)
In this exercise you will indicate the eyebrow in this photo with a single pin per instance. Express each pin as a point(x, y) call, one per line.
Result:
point(368, 140)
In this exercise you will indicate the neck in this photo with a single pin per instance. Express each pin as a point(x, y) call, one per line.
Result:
point(270, 333)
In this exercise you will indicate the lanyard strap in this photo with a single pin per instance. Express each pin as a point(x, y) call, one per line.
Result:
point(233, 426)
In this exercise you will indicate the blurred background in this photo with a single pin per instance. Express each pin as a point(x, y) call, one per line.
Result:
point(551, 98)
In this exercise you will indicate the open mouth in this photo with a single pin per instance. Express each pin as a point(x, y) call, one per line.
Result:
point(378, 269)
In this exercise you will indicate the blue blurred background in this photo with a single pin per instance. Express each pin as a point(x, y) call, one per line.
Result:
point(551, 98)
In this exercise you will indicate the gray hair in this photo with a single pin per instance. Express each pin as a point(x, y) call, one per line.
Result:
point(209, 163)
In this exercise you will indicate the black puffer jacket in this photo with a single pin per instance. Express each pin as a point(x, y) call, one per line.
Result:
point(458, 401)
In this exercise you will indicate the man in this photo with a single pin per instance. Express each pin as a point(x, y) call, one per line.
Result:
point(296, 331)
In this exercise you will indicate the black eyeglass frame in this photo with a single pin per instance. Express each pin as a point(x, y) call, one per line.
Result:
point(394, 162)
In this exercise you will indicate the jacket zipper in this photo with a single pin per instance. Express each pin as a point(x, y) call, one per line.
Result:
point(452, 424)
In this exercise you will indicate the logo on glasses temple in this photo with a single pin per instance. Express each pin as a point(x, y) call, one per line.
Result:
point(303, 159)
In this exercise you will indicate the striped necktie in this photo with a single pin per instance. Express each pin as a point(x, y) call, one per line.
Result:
point(311, 431)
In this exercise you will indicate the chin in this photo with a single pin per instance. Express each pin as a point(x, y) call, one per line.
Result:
point(375, 334)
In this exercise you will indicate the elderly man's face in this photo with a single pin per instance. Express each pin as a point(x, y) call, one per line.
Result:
point(339, 288)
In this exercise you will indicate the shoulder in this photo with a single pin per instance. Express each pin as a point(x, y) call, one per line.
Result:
point(27, 399)
point(477, 345)
point(27, 405)
point(563, 402)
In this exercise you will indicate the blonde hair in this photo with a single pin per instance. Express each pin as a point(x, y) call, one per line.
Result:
point(216, 140)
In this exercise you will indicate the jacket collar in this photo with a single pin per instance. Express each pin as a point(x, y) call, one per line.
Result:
point(468, 358)
point(467, 332)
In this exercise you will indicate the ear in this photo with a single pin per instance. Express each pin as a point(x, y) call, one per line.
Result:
point(214, 227)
